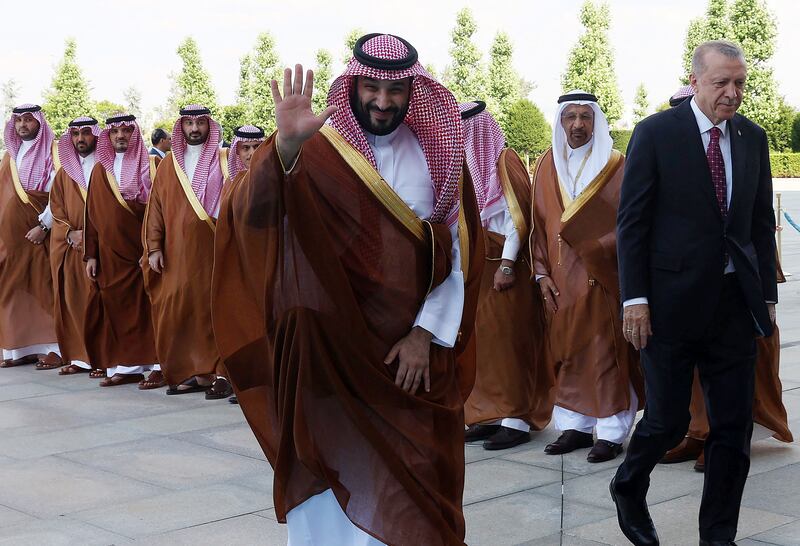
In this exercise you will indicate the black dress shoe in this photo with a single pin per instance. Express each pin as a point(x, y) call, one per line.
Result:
point(506, 438)
point(570, 440)
point(478, 433)
point(634, 519)
point(604, 450)
point(717, 542)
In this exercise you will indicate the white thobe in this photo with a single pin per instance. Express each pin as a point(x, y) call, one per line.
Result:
point(399, 158)
point(47, 219)
point(111, 371)
point(191, 157)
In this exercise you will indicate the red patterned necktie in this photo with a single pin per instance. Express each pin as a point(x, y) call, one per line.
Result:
point(717, 165)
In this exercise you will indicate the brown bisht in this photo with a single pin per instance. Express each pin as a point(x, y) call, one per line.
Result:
point(317, 275)
point(71, 286)
point(26, 287)
point(516, 379)
point(118, 327)
point(177, 224)
point(575, 243)
point(768, 408)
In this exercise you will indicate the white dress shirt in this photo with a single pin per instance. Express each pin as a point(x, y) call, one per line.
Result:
point(575, 162)
point(704, 125)
point(499, 220)
point(118, 157)
point(87, 164)
point(401, 162)
point(46, 217)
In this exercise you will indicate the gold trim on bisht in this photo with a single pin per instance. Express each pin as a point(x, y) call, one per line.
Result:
point(114, 185)
point(197, 207)
point(375, 183)
point(594, 187)
point(517, 214)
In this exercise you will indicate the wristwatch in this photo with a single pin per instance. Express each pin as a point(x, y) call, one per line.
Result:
point(44, 227)
point(505, 270)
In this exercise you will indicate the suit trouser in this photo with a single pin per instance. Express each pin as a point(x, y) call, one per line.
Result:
point(725, 360)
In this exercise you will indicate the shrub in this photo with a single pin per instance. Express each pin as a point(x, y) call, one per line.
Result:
point(621, 137)
point(785, 165)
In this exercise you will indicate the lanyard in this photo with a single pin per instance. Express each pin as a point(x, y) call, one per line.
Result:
point(580, 170)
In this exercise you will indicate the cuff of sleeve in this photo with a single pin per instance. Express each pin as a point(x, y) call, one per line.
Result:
point(441, 312)
point(539, 277)
point(46, 218)
point(511, 247)
point(634, 301)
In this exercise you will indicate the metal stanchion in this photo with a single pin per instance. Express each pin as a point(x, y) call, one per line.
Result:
point(779, 228)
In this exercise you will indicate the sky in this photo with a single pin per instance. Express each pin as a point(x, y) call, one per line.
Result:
point(133, 43)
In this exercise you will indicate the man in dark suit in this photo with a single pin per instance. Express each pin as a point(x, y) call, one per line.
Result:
point(162, 143)
point(696, 247)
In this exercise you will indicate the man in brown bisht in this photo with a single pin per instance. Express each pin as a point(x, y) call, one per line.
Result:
point(575, 197)
point(118, 329)
point(768, 408)
point(513, 383)
point(339, 290)
point(27, 328)
point(71, 288)
point(179, 246)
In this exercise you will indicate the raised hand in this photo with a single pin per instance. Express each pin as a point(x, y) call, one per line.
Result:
point(294, 117)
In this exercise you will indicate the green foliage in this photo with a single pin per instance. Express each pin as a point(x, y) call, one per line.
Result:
point(526, 130)
point(591, 61)
point(350, 41)
point(640, 104)
point(466, 74)
point(10, 92)
point(754, 28)
point(503, 82)
point(322, 80)
point(133, 101)
point(231, 117)
point(265, 68)
point(663, 106)
point(68, 96)
point(715, 25)
point(785, 165)
point(621, 138)
point(243, 92)
point(796, 133)
point(695, 35)
point(104, 109)
point(193, 82)
point(780, 138)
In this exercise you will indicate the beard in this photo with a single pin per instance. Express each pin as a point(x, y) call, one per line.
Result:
point(363, 112)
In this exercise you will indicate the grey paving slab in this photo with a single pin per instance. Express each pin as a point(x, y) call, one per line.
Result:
point(21, 391)
point(175, 510)
point(785, 535)
point(169, 463)
point(235, 438)
point(522, 517)
point(50, 486)
point(248, 529)
point(776, 491)
point(496, 477)
point(574, 463)
point(20, 417)
point(559, 540)
point(61, 531)
point(9, 516)
point(182, 419)
point(666, 483)
point(676, 522)
point(65, 440)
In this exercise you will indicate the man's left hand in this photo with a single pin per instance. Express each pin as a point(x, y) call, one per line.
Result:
point(36, 235)
point(501, 280)
point(772, 313)
point(414, 354)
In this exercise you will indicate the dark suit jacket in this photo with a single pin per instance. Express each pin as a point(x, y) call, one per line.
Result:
point(153, 151)
point(671, 238)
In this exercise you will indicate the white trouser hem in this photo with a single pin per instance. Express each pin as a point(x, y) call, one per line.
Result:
point(320, 521)
point(516, 424)
point(615, 428)
point(40, 349)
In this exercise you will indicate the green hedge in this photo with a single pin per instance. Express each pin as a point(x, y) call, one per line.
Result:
point(621, 137)
point(785, 165)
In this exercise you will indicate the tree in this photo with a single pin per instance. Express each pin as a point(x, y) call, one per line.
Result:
point(104, 109)
point(753, 27)
point(10, 93)
point(695, 35)
point(322, 80)
point(133, 101)
point(243, 93)
point(349, 42)
point(504, 82)
point(231, 117)
point(591, 61)
point(526, 130)
point(715, 25)
point(68, 96)
point(796, 133)
point(640, 104)
point(193, 82)
point(466, 77)
point(265, 68)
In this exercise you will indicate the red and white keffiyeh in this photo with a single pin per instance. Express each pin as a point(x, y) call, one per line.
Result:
point(68, 155)
point(681, 95)
point(207, 179)
point(433, 116)
point(483, 142)
point(245, 133)
point(34, 173)
point(134, 180)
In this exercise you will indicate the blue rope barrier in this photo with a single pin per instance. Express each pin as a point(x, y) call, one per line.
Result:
point(791, 222)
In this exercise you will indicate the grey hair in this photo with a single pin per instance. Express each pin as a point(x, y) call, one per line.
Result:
point(726, 48)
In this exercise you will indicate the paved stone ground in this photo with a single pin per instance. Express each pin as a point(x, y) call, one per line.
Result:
point(89, 466)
